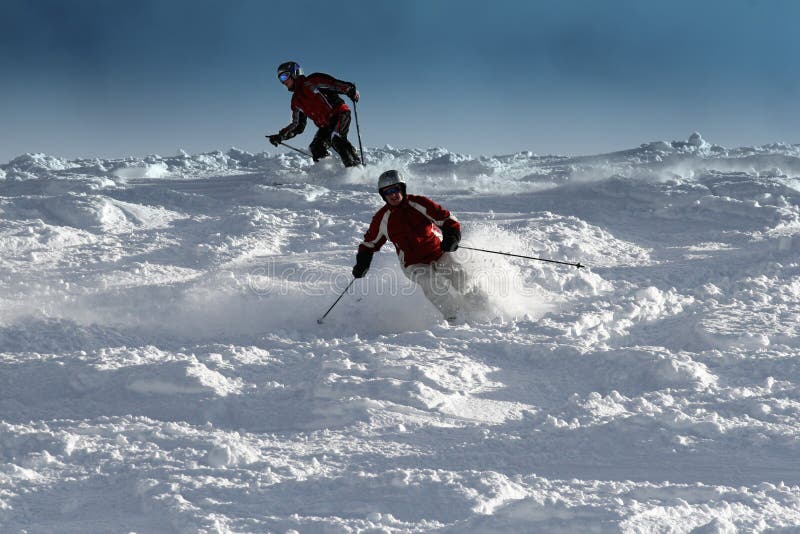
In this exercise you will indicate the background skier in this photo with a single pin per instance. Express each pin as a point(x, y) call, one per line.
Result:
point(412, 223)
point(317, 96)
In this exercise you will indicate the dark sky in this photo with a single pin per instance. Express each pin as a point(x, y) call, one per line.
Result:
point(114, 78)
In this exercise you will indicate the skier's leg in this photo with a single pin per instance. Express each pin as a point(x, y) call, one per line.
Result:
point(454, 270)
point(319, 145)
point(345, 150)
point(436, 287)
point(339, 141)
point(471, 296)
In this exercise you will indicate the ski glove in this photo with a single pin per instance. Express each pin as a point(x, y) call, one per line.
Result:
point(353, 94)
point(450, 239)
point(275, 139)
point(363, 261)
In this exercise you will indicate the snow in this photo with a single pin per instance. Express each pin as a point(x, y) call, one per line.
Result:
point(162, 369)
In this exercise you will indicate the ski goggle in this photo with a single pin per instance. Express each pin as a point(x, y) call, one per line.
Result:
point(283, 76)
point(391, 190)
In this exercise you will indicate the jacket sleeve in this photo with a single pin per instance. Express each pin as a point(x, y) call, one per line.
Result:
point(296, 127)
point(377, 233)
point(325, 82)
point(435, 213)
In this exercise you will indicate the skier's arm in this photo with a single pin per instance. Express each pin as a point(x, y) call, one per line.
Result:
point(296, 127)
point(435, 213)
point(451, 228)
point(373, 241)
point(325, 82)
point(377, 234)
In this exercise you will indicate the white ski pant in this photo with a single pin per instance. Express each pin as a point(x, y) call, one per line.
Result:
point(443, 282)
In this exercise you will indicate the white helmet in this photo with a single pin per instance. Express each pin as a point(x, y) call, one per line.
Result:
point(389, 178)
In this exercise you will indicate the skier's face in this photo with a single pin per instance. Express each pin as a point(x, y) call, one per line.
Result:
point(289, 83)
point(393, 195)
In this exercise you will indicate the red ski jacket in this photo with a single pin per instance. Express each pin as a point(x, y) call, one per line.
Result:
point(315, 96)
point(410, 226)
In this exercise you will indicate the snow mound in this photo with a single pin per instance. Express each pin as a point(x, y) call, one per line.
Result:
point(184, 378)
point(36, 163)
point(230, 451)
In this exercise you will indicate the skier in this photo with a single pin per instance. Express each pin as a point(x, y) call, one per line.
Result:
point(317, 96)
point(413, 223)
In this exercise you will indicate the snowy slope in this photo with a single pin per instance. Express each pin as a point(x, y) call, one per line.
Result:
point(162, 370)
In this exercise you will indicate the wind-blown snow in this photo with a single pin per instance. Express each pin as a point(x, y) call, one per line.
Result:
point(162, 369)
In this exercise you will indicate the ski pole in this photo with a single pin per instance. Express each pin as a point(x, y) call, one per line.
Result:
point(319, 321)
point(297, 150)
point(358, 131)
point(578, 265)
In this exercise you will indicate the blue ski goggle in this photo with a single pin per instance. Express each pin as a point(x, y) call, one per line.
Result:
point(283, 76)
point(391, 190)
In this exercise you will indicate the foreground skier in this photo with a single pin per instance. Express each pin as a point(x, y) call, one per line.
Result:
point(317, 96)
point(408, 221)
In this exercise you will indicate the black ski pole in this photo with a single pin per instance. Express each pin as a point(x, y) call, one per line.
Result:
point(578, 265)
point(319, 321)
point(297, 150)
point(358, 131)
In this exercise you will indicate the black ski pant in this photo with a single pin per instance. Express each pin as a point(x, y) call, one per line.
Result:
point(335, 135)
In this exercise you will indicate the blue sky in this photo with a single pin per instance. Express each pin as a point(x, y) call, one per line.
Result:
point(115, 78)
